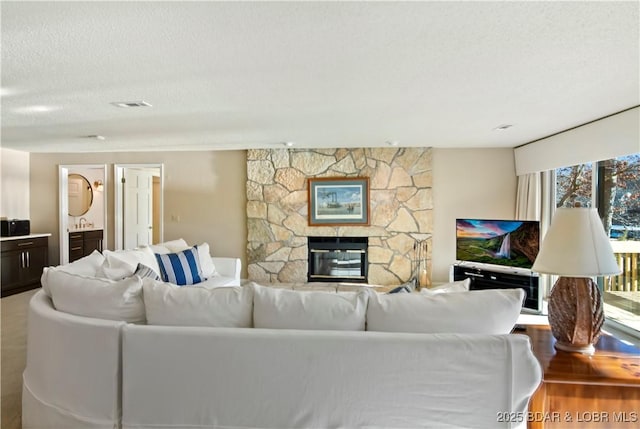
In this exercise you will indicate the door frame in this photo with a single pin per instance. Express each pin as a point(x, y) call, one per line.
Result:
point(63, 204)
point(118, 174)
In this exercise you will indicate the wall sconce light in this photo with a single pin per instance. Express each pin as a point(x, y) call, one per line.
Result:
point(98, 185)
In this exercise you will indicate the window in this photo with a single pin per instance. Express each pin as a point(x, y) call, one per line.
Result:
point(574, 185)
point(614, 185)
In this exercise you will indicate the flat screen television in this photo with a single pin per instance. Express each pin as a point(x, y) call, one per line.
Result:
point(511, 243)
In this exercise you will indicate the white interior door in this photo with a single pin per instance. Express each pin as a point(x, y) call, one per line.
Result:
point(138, 208)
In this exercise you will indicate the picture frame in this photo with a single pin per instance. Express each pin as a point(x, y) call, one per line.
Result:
point(338, 201)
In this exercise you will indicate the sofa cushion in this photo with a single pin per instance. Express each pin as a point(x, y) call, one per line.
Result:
point(458, 286)
point(116, 268)
point(290, 309)
point(86, 266)
point(206, 263)
point(97, 297)
point(218, 281)
point(493, 311)
point(123, 263)
point(225, 307)
point(181, 268)
point(145, 272)
point(172, 246)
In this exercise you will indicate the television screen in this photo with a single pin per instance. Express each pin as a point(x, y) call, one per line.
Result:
point(512, 243)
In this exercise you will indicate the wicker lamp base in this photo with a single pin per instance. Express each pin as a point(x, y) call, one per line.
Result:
point(575, 314)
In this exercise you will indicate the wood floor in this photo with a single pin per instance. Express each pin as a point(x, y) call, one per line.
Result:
point(13, 316)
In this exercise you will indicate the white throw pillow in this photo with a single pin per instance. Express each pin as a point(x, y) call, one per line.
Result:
point(459, 286)
point(172, 246)
point(206, 263)
point(96, 297)
point(176, 246)
point(493, 311)
point(115, 268)
point(290, 309)
point(87, 266)
point(158, 249)
point(225, 307)
point(123, 263)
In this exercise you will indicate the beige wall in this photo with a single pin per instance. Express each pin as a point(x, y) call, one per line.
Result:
point(472, 183)
point(204, 190)
point(14, 186)
point(207, 191)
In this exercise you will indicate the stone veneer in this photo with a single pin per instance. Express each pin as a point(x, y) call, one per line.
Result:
point(401, 209)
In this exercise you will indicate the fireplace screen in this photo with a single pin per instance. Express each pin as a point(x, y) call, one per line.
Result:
point(338, 259)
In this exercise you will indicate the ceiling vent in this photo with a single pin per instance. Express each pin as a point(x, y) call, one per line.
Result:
point(131, 104)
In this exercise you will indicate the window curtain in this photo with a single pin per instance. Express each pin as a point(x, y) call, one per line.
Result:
point(531, 204)
point(529, 197)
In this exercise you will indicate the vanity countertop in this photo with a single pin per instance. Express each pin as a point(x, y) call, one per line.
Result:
point(96, 228)
point(26, 237)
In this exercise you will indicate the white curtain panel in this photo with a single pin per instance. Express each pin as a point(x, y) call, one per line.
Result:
point(529, 197)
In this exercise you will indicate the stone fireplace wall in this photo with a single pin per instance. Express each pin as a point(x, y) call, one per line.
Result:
point(401, 209)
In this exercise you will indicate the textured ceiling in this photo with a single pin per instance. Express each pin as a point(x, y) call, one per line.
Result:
point(237, 75)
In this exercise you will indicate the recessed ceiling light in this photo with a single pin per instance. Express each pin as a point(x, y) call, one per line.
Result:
point(6, 92)
point(96, 137)
point(126, 104)
point(36, 109)
point(502, 127)
point(288, 144)
point(392, 142)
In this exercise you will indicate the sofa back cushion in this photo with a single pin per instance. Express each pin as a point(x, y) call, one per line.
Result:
point(224, 307)
point(86, 266)
point(457, 286)
point(289, 309)
point(96, 297)
point(492, 311)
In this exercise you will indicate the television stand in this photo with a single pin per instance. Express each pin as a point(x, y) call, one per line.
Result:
point(502, 278)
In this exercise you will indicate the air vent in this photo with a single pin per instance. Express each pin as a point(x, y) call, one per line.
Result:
point(131, 104)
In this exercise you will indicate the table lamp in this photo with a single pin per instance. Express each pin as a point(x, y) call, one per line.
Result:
point(577, 249)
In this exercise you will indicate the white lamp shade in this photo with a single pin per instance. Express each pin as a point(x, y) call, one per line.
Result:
point(576, 246)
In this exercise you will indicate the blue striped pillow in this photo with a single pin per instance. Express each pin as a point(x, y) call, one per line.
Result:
point(181, 268)
point(143, 271)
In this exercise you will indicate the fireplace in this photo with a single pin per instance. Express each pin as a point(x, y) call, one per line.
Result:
point(338, 259)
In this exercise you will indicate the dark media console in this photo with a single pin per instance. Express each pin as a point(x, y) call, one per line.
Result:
point(482, 278)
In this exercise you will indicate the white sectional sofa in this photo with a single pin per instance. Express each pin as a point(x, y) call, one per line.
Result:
point(260, 357)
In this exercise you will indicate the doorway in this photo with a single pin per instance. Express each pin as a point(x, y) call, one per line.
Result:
point(138, 205)
point(83, 206)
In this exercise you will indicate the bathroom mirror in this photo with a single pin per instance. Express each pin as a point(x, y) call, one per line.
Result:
point(80, 195)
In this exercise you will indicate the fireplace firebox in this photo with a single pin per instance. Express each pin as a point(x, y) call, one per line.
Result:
point(338, 259)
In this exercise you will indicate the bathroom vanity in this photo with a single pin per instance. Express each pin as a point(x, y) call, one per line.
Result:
point(83, 242)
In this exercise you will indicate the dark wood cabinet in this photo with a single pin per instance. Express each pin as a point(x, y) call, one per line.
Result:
point(82, 243)
point(22, 263)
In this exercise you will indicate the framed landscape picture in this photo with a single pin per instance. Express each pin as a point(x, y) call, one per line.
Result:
point(338, 201)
